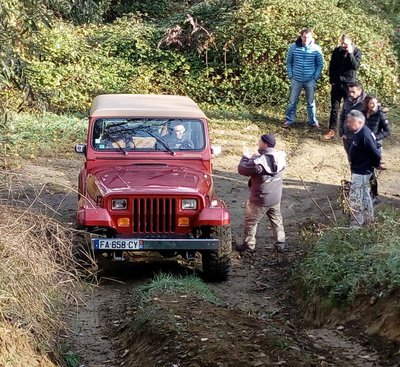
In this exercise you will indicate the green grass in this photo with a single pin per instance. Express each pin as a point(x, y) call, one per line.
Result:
point(70, 359)
point(28, 136)
point(177, 285)
point(345, 264)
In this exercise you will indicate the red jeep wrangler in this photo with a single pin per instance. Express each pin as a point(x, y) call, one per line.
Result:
point(147, 185)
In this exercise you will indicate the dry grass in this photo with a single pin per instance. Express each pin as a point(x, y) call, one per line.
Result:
point(38, 273)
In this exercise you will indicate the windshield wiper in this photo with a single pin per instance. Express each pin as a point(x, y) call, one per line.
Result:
point(116, 142)
point(161, 141)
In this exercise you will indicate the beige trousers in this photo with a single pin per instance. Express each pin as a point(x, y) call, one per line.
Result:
point(254, 214)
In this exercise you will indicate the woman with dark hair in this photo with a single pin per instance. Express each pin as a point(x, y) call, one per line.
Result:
point(377, 122)
point(376, 119)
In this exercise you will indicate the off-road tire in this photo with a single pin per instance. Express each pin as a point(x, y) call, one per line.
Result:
point(216, 264)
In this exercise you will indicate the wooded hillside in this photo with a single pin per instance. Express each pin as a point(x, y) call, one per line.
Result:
point(58, 54)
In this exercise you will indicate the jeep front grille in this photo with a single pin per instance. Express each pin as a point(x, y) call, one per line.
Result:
point(154, 215)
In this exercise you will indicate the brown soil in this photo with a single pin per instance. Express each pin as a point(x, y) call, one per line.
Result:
point(255, 299)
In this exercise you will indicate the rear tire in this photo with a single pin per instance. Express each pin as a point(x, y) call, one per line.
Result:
point(216, 264)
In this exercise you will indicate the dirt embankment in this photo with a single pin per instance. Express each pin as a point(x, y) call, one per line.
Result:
point(258, 323)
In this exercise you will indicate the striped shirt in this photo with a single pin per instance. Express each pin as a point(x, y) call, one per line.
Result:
point(304, 63)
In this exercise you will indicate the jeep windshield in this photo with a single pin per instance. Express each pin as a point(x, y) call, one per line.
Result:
point(126, 134)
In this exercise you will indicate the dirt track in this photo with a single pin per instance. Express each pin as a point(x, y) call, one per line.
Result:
point(258, 285)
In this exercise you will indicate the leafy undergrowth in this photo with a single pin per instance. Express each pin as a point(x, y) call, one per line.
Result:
point(351, 278)
point(37, 278)
point(345, 264)
point(178, 322)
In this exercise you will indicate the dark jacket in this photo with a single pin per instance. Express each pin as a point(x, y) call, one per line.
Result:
point(364, 154)
point(348, 105)
point(379, 125)
point(266, 172)
point(343, 66)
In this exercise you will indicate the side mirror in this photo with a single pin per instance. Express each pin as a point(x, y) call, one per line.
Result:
point(216, 150)
point(80, 148)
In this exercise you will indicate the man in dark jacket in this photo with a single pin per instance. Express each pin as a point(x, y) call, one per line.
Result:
point(345, 60)
point(364, 156)
point(265, 171)
point(355, 101)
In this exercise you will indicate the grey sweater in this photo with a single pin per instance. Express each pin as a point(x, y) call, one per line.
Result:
point(265, 172)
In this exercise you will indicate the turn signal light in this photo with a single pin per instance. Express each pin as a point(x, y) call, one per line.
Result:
point(124, 222)
point(183, 222)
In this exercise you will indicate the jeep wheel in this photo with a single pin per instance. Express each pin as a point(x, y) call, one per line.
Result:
point(216, 264)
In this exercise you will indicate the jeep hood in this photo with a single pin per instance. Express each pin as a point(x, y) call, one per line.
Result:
point(147, 179)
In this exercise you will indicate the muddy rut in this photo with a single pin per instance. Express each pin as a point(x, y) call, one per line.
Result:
point(259, 283)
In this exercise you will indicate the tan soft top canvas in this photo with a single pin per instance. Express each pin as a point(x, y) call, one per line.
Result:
point(145, 106)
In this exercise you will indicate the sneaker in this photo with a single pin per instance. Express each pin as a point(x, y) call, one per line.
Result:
point(243, 247)
point(315, 126)
point(287, 124)
point(329, 135)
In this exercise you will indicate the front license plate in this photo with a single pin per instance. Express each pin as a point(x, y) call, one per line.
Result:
point(118, 244)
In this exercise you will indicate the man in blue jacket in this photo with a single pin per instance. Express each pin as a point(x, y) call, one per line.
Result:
point(304, 63)
point(364, 156)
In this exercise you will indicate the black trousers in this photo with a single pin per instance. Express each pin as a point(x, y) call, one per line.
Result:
point(374, 185)
point(338, 92)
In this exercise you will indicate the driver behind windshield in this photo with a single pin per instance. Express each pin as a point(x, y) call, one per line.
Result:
point(178, 139)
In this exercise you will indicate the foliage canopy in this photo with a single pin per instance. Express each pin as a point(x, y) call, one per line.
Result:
point(224, 52)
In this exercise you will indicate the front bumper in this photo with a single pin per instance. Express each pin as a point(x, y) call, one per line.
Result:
point(135, 244)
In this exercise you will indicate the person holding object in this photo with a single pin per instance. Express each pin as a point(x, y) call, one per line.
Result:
point(345, 61)
point(265, 171)
point(364, 156)
point(304, 63)
point(355, 101)
point(378, 123)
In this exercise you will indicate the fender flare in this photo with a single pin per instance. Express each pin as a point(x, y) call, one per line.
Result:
point(214, 216)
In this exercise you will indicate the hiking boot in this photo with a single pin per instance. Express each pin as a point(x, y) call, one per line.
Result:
point(329, 135)
point(376, 200)
point(243, 247)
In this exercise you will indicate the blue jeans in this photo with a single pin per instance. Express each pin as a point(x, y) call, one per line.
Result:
point(295, 90)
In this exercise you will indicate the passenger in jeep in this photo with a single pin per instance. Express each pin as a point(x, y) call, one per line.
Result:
point(179, 139)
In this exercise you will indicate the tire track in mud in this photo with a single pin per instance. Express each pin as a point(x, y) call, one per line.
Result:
point(92, 325)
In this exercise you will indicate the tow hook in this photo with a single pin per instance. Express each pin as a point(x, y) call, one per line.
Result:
point(190, 255)
point(118, 256)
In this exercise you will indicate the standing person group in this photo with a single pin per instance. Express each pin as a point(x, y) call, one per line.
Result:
point(362, 126)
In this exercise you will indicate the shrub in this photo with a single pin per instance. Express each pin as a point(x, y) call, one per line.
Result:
point(229, 53)
point(345, 263)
